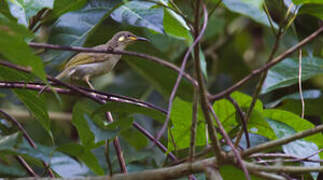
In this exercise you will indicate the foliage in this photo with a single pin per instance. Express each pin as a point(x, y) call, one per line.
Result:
point(240, 36)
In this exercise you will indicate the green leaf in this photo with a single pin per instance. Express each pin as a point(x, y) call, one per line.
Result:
point(285, 73)
point(175, 26)
point(141, 14)
point(85, 155)
point(73, 28)
point(130, 109)
point(64, 6)
point(249, 8)
point(8, 142)
point(161, 78)
point(295, 122)
point(231, 172)
point(14, 48)
point(307, 1)
point(298, 148)
point(181, 118)
point(25, 10)
point(4, 9)
point(37, 106)
point(7, 170)
point(134, 138)
point(83, 129)
point(226, 112)
point(312, 9)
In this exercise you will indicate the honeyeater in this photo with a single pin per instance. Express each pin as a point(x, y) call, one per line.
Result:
point(85, 65)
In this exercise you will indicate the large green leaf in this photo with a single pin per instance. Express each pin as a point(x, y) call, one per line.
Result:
point(9, 142)
point(162, 78)
point(36, 104)
point(250, 8)
point(307, 1)
point(25, 10)
point(174, 25)
point(298, 148)
point(181, 118)
point(141, 14)
point(74, 27)
point(84, 154)
point(14, 48)
point(285, 73)
point(312, 9)
point(227, 114)
point(83, 129)
point(294, 121)
point(130, 109)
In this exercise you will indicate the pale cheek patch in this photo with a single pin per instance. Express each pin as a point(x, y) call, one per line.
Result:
point(121, 38)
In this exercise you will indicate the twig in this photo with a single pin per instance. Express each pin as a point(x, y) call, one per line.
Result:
point(117, 146)
point(180, 75)
point(107, 157)
point(108, 51)
point(276, 60)
point(194, 124)
point(229, 142)
point(300, 89)
point(242, 117)
point(282, 141)
point(260, 83)
point(30, 171)
point(27, 137)
point(202, 89)
point(102, 95)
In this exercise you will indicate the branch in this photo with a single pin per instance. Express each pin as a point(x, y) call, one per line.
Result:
point(266, 66)
point(29, 140)
point(108, 51)
point(282, 141)
point(180, 75)
point(202, 89)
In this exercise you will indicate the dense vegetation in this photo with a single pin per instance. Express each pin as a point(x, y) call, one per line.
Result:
point(225, 89)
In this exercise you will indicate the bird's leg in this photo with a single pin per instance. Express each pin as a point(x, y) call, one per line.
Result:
point(87, 80)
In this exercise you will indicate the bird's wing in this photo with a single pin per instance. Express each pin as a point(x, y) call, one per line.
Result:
point(87, 58)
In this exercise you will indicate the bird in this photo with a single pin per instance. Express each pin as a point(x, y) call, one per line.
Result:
point(86, 65)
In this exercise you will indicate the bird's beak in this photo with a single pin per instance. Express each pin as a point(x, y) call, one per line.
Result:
point(138, 38)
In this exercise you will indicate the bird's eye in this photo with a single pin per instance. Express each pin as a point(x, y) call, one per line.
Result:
point(121, 38)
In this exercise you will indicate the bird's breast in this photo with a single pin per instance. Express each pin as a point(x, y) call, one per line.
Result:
point(94, 69)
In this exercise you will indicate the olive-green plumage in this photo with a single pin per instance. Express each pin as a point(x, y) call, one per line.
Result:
point(84, 66)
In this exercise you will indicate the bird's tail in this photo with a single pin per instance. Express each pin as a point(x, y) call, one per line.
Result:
point(59, 77)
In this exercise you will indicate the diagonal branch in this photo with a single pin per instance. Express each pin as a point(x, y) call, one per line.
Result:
point(276, 60)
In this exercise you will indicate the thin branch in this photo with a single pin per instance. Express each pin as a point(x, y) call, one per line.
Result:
point(103, 95)
point(300, 89)
point(276, 60)
point(194, 124)
point(229, 142)
point(180, 75)
point(107, 156)
point(108, 51)
point(202, 89)
point(27, 137)
point(288, 169)
point(282, 141)
point(24, 164)
point(117, 146)
point(242, 117)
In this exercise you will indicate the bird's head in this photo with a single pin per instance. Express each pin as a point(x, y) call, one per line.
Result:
point(121, 39)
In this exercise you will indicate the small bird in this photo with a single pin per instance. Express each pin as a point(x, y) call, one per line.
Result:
point(85, 65)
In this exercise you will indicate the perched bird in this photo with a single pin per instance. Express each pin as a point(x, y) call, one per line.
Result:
point(85, 65)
